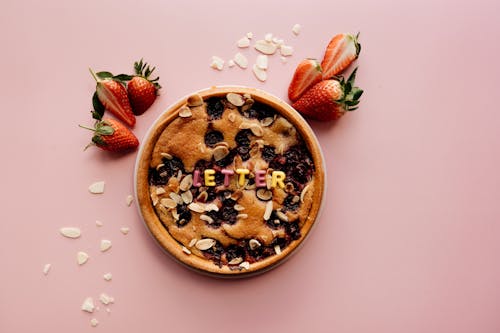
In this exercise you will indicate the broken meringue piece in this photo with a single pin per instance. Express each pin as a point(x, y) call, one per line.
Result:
point(70, 232)
point(106, 299)
point(88, 305)
point(97, 187)
point(105, 245)
point(107, 276)
point(124, 230)
point(296, 29)
point(129, 199)
point(249, 35)
point(230, 63)
point(217, 63)
point(82, 257)
point(94, 322)
point(98, 223)
point(46, 268)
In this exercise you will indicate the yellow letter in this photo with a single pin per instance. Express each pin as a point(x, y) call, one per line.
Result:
point(242, 173)
point(209, 177)
point(278, 177)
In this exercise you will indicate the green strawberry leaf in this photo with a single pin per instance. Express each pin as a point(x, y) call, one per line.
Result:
point(98, 107)
point(104, 129)
point(98, 140)
point(104, 75)
point(123, 77)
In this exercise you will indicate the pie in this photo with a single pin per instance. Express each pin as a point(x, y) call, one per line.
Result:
point(230, 180)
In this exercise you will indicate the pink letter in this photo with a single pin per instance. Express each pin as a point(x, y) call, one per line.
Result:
point(227, 175)
point(260, 178)
point(196, 178)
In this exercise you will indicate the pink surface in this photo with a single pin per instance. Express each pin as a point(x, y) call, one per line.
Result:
point(409, 239)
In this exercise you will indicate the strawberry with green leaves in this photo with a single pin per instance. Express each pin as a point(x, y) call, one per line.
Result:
point(330, 99)
point(307, 74)
point(111, 93)
point(142, 90)
point(111, 135)
point(342, 50)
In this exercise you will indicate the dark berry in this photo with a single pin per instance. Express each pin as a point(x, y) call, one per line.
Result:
point(226, 160)
point(213, 137)
point(228, 214)
point(215, 108)
point(260, 111)
point(268, 153)
point(291, 204)
point(244, 152)
point(170, 168)
point(235, 251)
point(292, 230)
point(242, 138)
point(184, 215)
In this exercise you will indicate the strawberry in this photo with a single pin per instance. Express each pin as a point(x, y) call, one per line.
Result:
point(330, 99)
point(111, 135)
point(307, 74)
point(113, 95)
point(342, 50)
point(142, 90)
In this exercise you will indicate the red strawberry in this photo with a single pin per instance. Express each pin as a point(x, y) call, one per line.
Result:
point(342, 50)
point(111, 135)
point(330, 99)
point(307, 74)
point(142, 90)
point(113, 95)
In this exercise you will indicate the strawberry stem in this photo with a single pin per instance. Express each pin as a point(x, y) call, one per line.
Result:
point(88, 128)
point(94, 75)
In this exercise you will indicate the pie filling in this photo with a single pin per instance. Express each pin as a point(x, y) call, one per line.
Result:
point(231, 180)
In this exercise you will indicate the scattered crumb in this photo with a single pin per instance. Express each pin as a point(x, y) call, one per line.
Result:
point(217, 63)
point(296, 29)
point(107, 276)
point(97, 187)
point(283, 59)
point(243, 42)
point(268, 37)
point(98, 223)
point(70, 232)
point(230, 63)
point(82, 257)
point(46, 268)
point(106, 299)
point(129, 199)
point(105, 245)
point(286, 50)
point(249, 35)
point(124, 230)
point(108, 310)
point(88, 305)
point(94, 322)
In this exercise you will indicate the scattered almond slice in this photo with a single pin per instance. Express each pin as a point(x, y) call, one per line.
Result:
point(245, 265)
point(286, 50)
point(105, 245)
point(262, 61)
point(241, 60)
point(243, 42)
point(249, 35)
point(70, 232)
point(129, 199)
point(124, 230)
point(283, 59)
point(106, 299)
point(265, 47)
point(98, 223)
point(259, 73)
point(88, 305)
point(277, 249)
point(46, 268)
point(186, 250)
point(94, 322)
point(231, 63)
point(217, 63)
point(97, 187)
point(107, 276)
point(205, 244)
point(82, 257)
point(296, 29)
point(268, 37)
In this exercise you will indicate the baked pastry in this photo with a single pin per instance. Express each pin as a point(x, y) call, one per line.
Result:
point(230, 181)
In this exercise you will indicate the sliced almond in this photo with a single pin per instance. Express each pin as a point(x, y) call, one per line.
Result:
point(245, 125)
point(262, 61)
point(254, 244)
point(303, 193)
point(235, 99)
point(94, 322)
point(97, 187)
point(245, 265)
point(186, 250)
point(154, 199)
point(296, 29)
point(231, 63)
point(282, 216)
point(125, 230)
point(235, 261)
point(277, 249)
point(238, 207)
point(206, 218)
point(108, 276)
point(98, 223)
point(195, 207)
point(268, 37)
point(268, 211)
point(88, 305)
point(194, 100)
point(211, 207)
point(46, 268)
point(82, 257)
point(192, 242)
point(187, 197)
point(249, 35)
point(177, 198)
point(231, 117)
point(186, 182)
point(286, 50)
point(243, 42)
point(105, 245)
point(205, 244)
point(217, 63)
point(283, 59)
point(257, 130)
point(260, 74)
point(203, 196)
point(295, 199)
point(70, 232)
point(241, 60)
point(168, 203)
point(160, 190)
point(264, 194)
point(220, 152)
point(242, 216)
point(267, 121)
point(175, 214)
point(167, 156)
point(265, 47)
point(161, 165)
point(106, 299)
point(129, 199)
point(185, 112)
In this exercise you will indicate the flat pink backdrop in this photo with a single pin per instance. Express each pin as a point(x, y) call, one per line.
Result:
point(409, 240)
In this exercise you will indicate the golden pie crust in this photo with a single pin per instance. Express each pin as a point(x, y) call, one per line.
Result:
point(180, 133)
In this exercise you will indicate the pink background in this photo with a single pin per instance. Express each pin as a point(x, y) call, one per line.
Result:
point(409, 240)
